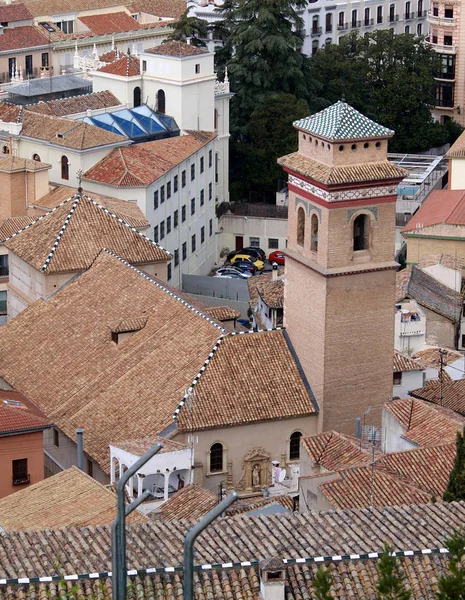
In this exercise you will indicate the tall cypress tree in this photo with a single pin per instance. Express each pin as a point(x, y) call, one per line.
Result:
point(391, 582)
point(456, 486)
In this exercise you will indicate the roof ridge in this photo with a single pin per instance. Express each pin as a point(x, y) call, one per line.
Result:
point(60, 233)
point(126, 169)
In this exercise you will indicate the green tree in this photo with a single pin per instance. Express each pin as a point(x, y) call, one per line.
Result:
point(391, 582)
point(322, 584)
point(456, 485)
point(192, 28)
point(452, 586)
point(388, 77)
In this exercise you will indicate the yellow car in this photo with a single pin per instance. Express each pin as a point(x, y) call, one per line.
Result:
point(259, 264)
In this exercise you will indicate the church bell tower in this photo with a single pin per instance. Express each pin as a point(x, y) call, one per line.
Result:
point(340, 270)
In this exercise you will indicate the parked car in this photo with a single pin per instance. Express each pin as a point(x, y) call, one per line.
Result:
point(259, 264)
point(231, 275)
point(246, 265)
point(258, 252)
point(232, 269)
point(277, 256)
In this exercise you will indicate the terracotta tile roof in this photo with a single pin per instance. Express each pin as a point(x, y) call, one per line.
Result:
point(139, 447)
point(425, 424)
point(441, 206)
point(334, 451)
point(25, 36)
point(223, 313)
point(70, 498)
point(351, 488)
point(142, 164)
point(176, 49)
point(70, 237)
point(128, 211)
point(10, 163)
point(245, 394)
point(245, 505)
point(383, 170)
point(252, 285)
point(191, 502)
point(429, 292)
point(76, 104)
point(113, 22)
point(126, 66)
point(242, 538)
point(340, 121)
point(173, 9)
point(18, 414)
point(447, 260)
point(457, 150)
point(45, 8)
point(67, 133)
point(271, 292)
point(13, 224)
point(10, 113)
point(431, 357)
point(149, 371)
point(405, 363)
point(14, 12)
point(450, 394)
point(426, 468)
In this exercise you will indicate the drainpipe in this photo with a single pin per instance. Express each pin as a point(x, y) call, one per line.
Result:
point(80, 448)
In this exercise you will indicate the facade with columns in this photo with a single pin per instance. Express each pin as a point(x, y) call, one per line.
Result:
point(340, 260)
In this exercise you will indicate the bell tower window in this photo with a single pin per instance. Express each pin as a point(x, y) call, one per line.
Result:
point(300, 226)
point(361, 233)
point(314, 234)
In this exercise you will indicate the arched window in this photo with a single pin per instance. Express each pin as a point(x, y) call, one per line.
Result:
point(294, 445)
point(161, 102)
point(216, 458)
point(314, 234)
point(329, 22)
point(64, 167)
point(215, 117)
point(420, 8)
point(136, 96)
point(361, 233)
point(36, 157)
point(300, 226)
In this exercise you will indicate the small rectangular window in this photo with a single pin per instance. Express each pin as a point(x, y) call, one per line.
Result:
point(45, 59)
point(255, 242)
point(193, 243)
point(202, 235)
point(162, 194)
point(197, 69)
point(20, 474)
point(155, 234)
point(202, 197)
point(211, 227)
point(183, 213)
point(202, 164)
point(168, 272)
point(175, 219)
point(192, 172)
point(210, 158)
point(183, 179)
point(90, 467)
point(168, 225)
point(56, 438)
point(168, 190)
point(176, 257)
point(184, 250)
point(155, 200)
point(192, 206)
point(175, 184)
point(273, 243)
point(162, 230)
point(210, 191)
point(397, 379)
point(144, 66)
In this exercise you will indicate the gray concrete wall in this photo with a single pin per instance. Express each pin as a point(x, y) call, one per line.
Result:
point(242, 307)
point(216, 287)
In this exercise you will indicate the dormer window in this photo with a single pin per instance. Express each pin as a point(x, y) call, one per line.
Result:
point(126, 329)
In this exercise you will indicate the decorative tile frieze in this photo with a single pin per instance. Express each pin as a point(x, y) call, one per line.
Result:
point(340, 196)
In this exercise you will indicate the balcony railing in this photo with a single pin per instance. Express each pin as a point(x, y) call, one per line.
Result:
point(409, 16)
point(21, 480)
point(444, 103)
point(368, 22)
point(443, 21)
point(393, 18)
point(411, 328)
point(342, 26)
point(441, 48)
point(329, 29)
point(356, 24)
point(421, 14)
point(446, 76)
point(316, 30)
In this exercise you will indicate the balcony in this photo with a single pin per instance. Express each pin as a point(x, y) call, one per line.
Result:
point(368, 22)
point(342, 26)
point(421, 14)
point(329, 29)
point(412, 328)
point(442, 21)
point(356, 24)
point(409, 16)
point(21, 479)
point(441, 48)
point(316, 31)
point(393, 18)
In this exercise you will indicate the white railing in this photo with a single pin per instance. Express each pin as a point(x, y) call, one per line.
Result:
point(411, 328)
point(433, 19)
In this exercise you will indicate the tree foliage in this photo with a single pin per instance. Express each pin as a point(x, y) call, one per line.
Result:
point(452, 586)
point(456, 485)
point(391, 582)
point(322, 584)
point(191, 28)
point(389, 78)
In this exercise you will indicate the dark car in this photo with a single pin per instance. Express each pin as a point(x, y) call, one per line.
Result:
point(246, 265)
point(256, 252)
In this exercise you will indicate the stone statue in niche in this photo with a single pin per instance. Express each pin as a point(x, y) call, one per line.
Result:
point(256, 475)
point(256, 471)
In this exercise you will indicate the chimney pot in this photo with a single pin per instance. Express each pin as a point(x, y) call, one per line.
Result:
point(272, 579)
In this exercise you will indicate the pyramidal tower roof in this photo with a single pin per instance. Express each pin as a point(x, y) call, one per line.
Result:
point(340, 121)
point(69, 237)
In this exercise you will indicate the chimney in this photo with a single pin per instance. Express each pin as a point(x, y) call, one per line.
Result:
point(80, 448)
point(274, 272)
point(272, 579)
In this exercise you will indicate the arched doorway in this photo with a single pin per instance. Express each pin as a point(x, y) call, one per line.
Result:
point(136, 96)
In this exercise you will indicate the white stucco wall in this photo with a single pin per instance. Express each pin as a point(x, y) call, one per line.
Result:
point(457, 174)
point(247, 227)
point(449, 277)
point(410, 337)
point(392, 432)
point(411, 380)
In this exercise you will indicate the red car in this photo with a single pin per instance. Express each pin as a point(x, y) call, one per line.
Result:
point(277, 256)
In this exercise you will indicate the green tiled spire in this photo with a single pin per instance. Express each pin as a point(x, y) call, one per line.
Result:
point(342, 122)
